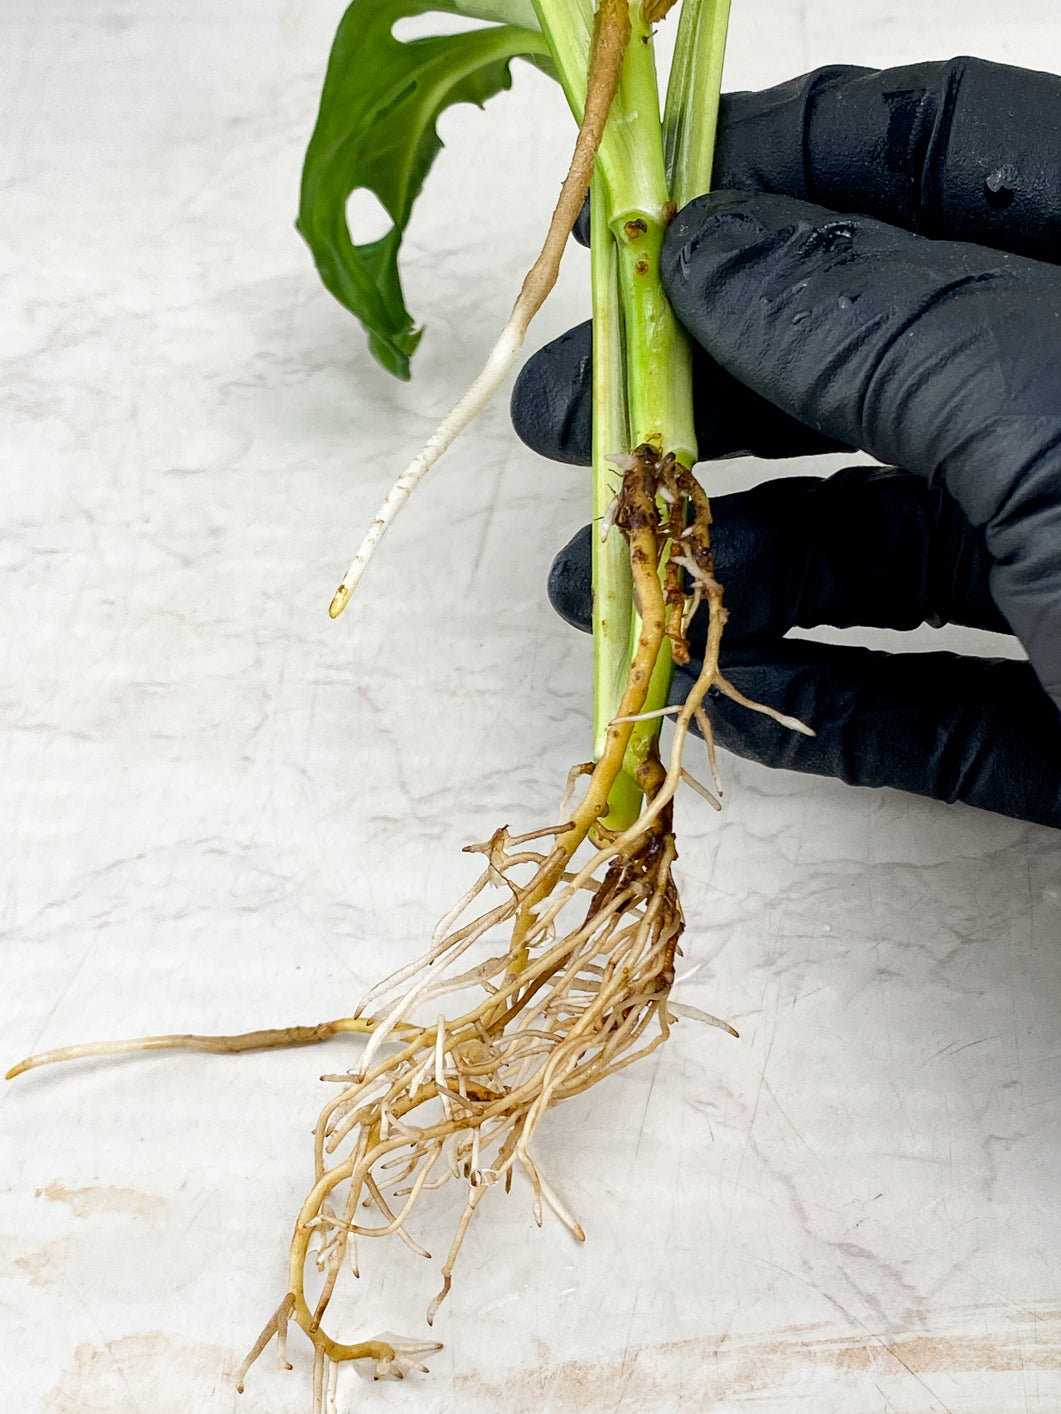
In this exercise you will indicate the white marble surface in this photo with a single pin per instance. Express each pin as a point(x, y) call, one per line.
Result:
point(222, 811)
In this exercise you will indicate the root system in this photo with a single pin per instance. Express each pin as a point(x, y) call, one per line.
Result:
point(578, 989)
point(574, 986)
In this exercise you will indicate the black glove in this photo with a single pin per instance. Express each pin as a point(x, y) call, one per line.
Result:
point(818, 330)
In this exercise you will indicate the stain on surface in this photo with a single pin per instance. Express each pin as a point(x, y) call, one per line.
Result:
point(40, 1267)
point(757, 1369)
point(90, 1201)
point(153, 1373)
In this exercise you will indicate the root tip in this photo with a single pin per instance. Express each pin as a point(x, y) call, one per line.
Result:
point(432, 1310)
point(339, 601)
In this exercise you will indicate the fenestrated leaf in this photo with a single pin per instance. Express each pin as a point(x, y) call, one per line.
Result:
point(376, 129)
point(509, 12)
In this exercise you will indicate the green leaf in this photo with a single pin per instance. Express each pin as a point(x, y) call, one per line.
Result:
point(376, 129)
point(509, 12)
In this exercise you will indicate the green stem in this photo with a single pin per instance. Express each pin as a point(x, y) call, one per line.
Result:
point(658, 368)
point(634, 330)
point(659, 390)
point(691, 114)
point(612, 597)
point(631, 165)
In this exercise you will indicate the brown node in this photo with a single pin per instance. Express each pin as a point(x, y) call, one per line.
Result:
point(656, 10)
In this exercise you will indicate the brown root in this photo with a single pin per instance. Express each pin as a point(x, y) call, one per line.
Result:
point(463, 1100)
point(577, 992)
point(280, 1038)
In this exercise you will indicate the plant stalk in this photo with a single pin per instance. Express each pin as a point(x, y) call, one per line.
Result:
point(613, 604)
point(641, 356)
point(690, 117)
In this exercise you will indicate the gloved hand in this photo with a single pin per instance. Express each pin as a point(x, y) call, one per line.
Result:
point(861, 321)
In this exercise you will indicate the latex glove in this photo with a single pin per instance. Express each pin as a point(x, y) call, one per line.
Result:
point(825, 327)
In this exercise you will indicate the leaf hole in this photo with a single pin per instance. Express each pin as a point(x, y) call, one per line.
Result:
point(431, 26)
point(366, 217)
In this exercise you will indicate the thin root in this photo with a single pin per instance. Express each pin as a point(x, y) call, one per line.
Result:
point(279, 1038)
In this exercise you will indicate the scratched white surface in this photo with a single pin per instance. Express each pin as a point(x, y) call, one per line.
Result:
point(222, 811)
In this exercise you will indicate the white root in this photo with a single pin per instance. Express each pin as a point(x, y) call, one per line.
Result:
point(781, 718)
point(694, 1013)
point(498, 365)
point(553, 1199)
point(648, 716)
point(701, 719)
point(701, 790)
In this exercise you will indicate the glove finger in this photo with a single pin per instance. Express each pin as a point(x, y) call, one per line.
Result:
point(940, 357)
point(552, 399)
point(976, 730)
point(868, 546)
point(959, 150)
point(570, 582)
point(580, 230)
point(552, 411)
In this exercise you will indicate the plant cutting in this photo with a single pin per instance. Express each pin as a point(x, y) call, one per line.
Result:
point(559, 958)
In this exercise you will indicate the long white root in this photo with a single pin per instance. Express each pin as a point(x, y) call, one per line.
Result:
point(612, 35)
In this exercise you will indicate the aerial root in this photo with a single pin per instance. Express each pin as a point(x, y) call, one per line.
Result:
point(611, 36)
